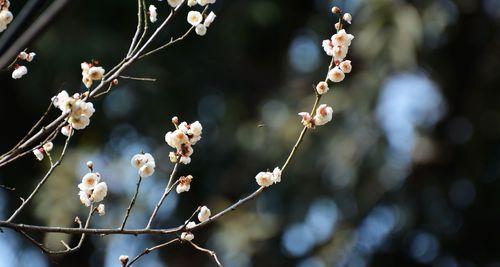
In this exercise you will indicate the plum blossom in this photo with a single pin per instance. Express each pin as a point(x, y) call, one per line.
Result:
point(27, 56)
point(190, 225)
point(6, 16)
point(345, 66)
point(205, 2)
point(184, 184)
point(191, 3)
point(336, 75)
point(79, 110)
point(38, 152)
point(101, 210)
point(47, 147)
point(145, 163)
point(187, 236)
point(91, 73)
point(194, 18)
point(347, 17)
point(182, 139)
point(268, 178)
point(153, 15)
point(200, 29)
point(123, 259)
point(209, 19)
point(204, 214)
point(91, 189)
point(322, 88)
point(323, 115)
point(19, 72)
point(174, 3)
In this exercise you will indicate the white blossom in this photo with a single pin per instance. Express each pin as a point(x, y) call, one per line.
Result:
point(30, 56)
point(264, 179)
point(336, 75)
point(84, 198)
point(48, 146)
point(188, 236)
point(322, 88)
point(79, 123)
point(38, 154)
point(190, 225)
point(194, 17)
point(185, 160)
point(90, 165)
point(342, 38)
point(91, 73)
point(172, 156)
point(205, 2)
point(6, 18)
point(306, 119)
point(123, 259)
point(347, 17)
point(96, 73)
point(101, 209)
point(209, 19)
point(323, 115)
point(191, 3)
point(60, 99)
point(67, 130)
point(19, 72)
point(174, 3)
point(147, 170)
point(89, 181)
point(340, 52)
point(184, 184)
point(345, 66)
point(276, 175)
point(195, 128)
point(201, 29)
point(176, 139)
point(99, 193)
point(204, 214)
point(23, 55)
point(328, 47)
point(153, 15)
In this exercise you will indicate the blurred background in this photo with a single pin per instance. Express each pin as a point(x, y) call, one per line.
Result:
point(406, 175)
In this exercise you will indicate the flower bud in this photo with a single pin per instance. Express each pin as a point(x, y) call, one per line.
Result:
point(90, 165)
point(336, 10)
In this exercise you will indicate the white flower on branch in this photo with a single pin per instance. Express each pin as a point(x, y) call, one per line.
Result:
point(201, 29)
point(336, 75)
point(99, 193)
point(89, 181)
point(84, 198)
point(26, 56)
point(6, 17)
point(306, 119)
point(123, 259)
point(183, 139)
point(80, 110)
point(176, 139)
point(184, 184)
point(101, 210)
point(209, 19)
point(264, 179)
point(323, 115)
point(172, 156)
point(38, 152)
point(67, 130)
point(205, 2)
point(145, 163)
point(204, 214)
point(342, 38)
point(188, 236)
point(19, 72)
point(48, 146)
point(347, 17)
point(91, 73)
point(90, 165)
point(174, 3)
point(153, 15)
point(345, 66)
point(322, 88)
point(191, 3)
point(194, 18)
point(276, 175)
point(190, 225)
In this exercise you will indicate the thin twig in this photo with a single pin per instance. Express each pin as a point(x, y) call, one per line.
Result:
point(132, 202)
point(209, 252)
point(148, 250)
point(167, 191)
point(138, 78)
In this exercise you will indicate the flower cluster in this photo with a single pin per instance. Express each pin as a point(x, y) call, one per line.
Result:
point(78, 109)
point(195, 18)
point(144, 163)
point(322, 116)
point(20, 71)
point(6, 16)
point(268, 178)
point(91, 73)
point(182, 139)
point(203, 216)
point(39, 152)
point(92, 190)
point(184, 184)
point(337, 47)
